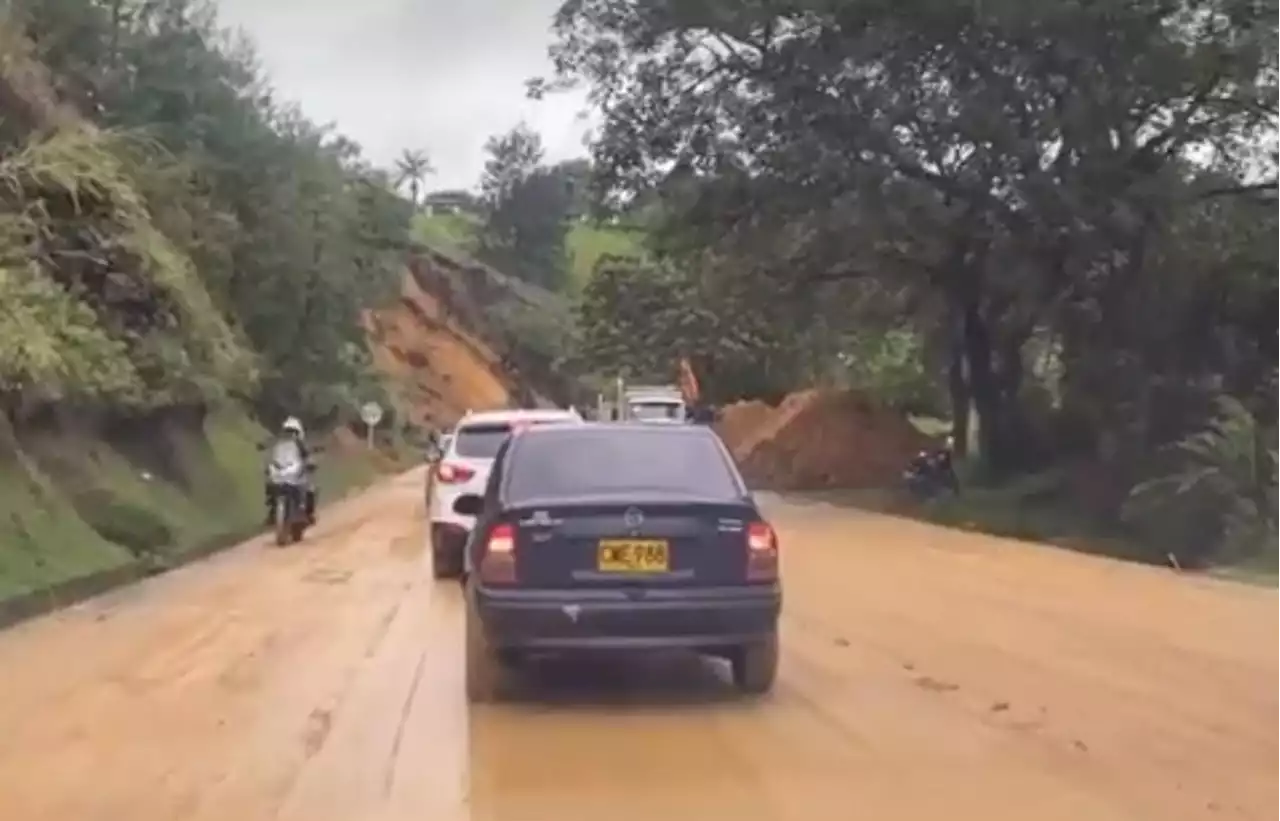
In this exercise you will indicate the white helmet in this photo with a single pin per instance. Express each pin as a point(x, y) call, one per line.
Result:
point(292, 425)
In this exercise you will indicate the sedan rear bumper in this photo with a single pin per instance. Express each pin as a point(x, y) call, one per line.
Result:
point(554, 620)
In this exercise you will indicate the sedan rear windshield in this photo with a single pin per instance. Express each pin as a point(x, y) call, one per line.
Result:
point(608, 463)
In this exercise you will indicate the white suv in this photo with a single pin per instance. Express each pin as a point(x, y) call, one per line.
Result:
point(464, 468)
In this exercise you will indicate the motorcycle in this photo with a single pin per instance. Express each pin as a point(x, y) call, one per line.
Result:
point(930, 474)
point(288, 481)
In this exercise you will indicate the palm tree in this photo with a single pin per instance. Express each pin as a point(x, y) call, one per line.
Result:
point(412, 169)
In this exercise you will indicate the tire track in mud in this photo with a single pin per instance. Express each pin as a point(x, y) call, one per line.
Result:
point(394, 754)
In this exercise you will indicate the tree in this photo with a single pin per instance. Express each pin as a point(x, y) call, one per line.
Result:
point(1004, 174)
point(412, 169)
point(527, 207)
point(269, 215)
point(513, 157)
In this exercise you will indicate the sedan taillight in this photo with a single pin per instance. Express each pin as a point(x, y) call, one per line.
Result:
point(762, 552)
point(498, 562)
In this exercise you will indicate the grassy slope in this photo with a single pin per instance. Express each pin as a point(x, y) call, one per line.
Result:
point(451, 233)
point(588, 243)
point(454, 233)
point(73, 505)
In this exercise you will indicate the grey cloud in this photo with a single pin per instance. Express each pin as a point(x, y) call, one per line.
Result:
point(440, 75)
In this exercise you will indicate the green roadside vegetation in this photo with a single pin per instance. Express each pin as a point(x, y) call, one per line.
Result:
point(74, 504)
point(586, 242)
point(184, 261)
point(590, 243)
point(1070, 259)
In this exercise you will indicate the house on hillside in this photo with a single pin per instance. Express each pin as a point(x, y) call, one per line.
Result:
point(450, 202)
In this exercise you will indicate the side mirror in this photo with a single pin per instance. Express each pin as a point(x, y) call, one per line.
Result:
point(468, 504)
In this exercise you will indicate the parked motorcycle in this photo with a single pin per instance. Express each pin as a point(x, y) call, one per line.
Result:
point(288, 480)
point(931, 473)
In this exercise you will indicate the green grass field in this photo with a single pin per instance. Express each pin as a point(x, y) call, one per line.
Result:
point(587, 242)
point(451, 233)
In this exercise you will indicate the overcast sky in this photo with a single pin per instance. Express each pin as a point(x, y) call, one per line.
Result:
point(437, 75)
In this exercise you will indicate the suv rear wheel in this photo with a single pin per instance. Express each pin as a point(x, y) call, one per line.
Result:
point(446, 553)
point(755, 666)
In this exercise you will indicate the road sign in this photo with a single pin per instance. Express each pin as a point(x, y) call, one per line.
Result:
point(371, 413)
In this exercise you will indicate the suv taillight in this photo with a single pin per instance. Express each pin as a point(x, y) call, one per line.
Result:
point(498, 562)
point(762, 552)
point(453, 474)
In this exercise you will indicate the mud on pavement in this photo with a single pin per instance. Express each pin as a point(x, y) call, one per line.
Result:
point(926, 674)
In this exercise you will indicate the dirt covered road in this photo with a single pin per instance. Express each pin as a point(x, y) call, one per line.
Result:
point(927, 674)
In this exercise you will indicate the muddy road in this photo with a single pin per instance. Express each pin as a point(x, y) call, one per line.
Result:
point(926, 674)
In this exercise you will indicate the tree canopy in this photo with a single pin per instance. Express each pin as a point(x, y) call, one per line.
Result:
point(178, 232)
point(528, 207)
point(1058, 200)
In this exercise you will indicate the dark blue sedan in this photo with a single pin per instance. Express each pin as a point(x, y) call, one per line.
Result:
point(605, 537)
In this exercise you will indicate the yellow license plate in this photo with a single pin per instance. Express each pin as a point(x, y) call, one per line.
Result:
point(633, 556)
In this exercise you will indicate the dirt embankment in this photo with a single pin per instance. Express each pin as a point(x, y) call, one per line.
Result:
point(439, 369)
point(819, 439)
point(443, 343)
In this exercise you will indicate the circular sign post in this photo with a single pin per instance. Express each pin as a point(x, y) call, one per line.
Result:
point(371, 415)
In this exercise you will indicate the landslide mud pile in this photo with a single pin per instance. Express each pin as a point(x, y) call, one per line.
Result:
point(447, 346)
point(439, 368)
point(816, 440)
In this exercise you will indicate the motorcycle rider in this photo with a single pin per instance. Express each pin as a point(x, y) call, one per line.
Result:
point(292, 429)
point(935, 467)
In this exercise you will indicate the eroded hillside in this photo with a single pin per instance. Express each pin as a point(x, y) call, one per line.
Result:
point(463, 336)
point(439, 368)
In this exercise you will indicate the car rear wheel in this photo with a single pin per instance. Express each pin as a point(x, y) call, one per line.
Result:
point(444, 565)
point(446, 556)
point(755, 666)
point(485, 674)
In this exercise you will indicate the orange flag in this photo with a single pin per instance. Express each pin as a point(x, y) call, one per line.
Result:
point(688, 382)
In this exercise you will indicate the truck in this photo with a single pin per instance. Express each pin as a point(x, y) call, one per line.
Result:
point(661, 404)
point(655, 403)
